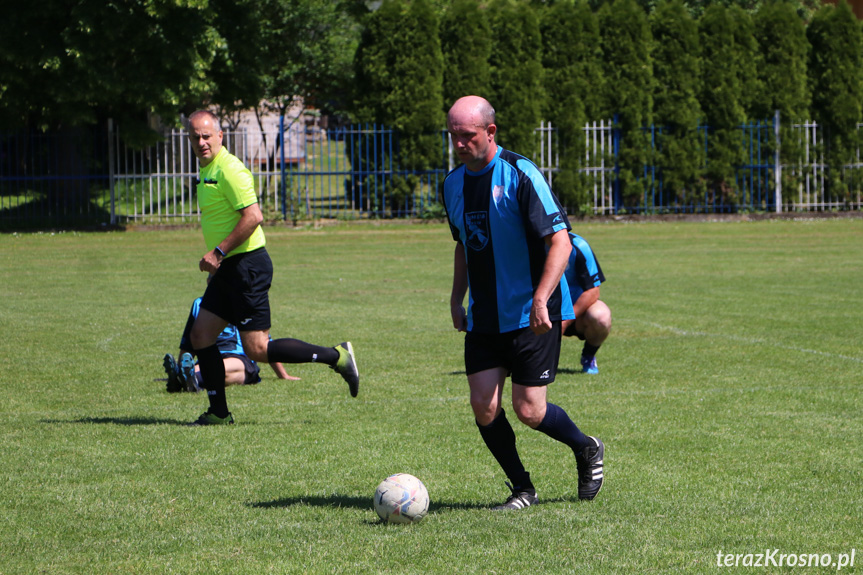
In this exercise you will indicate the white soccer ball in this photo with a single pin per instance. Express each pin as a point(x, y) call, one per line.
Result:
point(401, 498)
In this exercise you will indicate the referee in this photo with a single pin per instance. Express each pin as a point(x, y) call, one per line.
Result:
point(241, 273)
point(511, 251)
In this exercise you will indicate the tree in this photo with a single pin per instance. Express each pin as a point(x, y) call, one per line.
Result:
point(417, 102)
point(236, 70)
point(464, 35)
point(721, 100)
point(626, 44)
point(573, 82)
point(32, 68)
point(306, 48)
point(516, 74)
point(804, 8)
point(748, 60)
point(835, 84)
point(399, 71)
point(677, 71)
point(374, 61)
point(784, 50)
point(68, 62)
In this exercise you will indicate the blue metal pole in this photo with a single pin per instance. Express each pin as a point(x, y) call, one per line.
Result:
point(284, 189)
point(616, 140)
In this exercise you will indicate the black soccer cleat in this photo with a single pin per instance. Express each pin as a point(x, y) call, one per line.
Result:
point(518, 500)
point(187, 373)
point(174, 384)
point(589, 463)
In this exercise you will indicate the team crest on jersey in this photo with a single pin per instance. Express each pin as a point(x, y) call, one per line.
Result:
point(497, 193)
point(477, 230)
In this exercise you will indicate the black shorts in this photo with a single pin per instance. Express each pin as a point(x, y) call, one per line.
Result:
point(530, 359)
point(239, 291)
point(253, 372)
point(571, 332)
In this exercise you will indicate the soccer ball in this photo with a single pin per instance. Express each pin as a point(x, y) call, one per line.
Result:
point(401, 498)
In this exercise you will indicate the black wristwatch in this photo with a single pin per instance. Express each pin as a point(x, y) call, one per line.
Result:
point(219, 251)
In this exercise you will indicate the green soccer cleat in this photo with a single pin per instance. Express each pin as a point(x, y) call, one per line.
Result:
point(208, 418)
point(347, 367)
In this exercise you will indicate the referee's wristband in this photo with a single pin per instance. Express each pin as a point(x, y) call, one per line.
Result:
point(219, 251)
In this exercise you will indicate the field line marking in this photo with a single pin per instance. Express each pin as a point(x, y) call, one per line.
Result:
point(739, 339)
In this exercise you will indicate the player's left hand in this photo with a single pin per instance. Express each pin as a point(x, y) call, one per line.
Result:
point(539, 322)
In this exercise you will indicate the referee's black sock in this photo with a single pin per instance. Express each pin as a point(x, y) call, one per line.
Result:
point(500, 440)
point(213, 374)
point(589, 350)
point(287, 350)
point(557, 425)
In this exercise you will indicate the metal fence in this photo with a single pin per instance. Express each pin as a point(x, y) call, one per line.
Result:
point(54, 180)
point(348, 172)
point(91, 177)
point(762, 182)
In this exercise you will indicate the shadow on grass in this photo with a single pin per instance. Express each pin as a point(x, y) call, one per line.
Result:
point(120, 421)
point(564, 370)
point(350, 501)
point(315, 501)
point(569, 371)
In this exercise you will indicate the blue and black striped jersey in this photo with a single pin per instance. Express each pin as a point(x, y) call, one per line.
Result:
point(501, 215)
point(583, 271)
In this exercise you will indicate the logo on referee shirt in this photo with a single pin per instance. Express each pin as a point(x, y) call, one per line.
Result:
point(477, 230)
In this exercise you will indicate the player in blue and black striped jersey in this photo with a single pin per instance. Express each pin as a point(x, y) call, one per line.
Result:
point(511, 252)
point(185, 375)
point(592, 322)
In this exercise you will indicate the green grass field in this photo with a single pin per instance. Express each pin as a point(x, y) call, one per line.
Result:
point(729, 399)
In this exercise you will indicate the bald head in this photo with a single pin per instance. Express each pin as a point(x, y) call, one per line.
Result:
point(202, 114)
point(470, 122)
point(473, 109)
point(205, 135)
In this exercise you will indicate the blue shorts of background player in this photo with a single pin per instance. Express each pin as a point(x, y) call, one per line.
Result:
point(592, 322)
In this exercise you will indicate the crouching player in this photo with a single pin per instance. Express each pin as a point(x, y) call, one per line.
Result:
point(592, 322)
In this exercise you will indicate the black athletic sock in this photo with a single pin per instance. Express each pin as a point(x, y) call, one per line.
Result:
point(557, 425)
point(287, 350)
point(500, 440)
point(589, 350)
point(213, 376)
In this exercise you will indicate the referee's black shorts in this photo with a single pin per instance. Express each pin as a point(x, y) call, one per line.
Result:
point(239, 290)
point(530, 359)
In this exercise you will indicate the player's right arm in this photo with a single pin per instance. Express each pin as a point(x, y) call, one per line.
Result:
point(280, 371)
point(250, 219)
point(559, 249)
point(459, 288)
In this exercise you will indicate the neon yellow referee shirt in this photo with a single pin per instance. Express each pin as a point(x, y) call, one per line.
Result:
point(226, 186)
